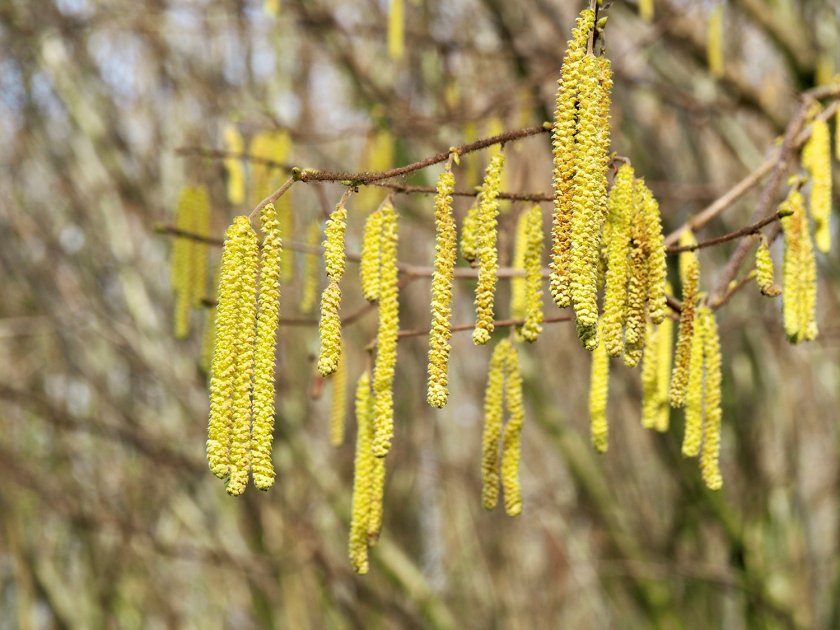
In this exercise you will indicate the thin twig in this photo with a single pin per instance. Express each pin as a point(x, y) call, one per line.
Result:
point(749, 230)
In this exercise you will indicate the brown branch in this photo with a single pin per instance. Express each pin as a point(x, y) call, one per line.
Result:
point(749, 230)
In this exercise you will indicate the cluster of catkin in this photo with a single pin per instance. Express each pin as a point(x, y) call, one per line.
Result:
point(241, 424)
point(501, 442)
point(189, 255)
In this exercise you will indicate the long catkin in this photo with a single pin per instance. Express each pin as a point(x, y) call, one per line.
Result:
point(816, 156)
point(262, 432)
point(690, 276)
point(533, 316)
point(637, 284)
point(488, 255)
point(469, 235)
point(799, 272)
point(338, 403)
point(362, 476)
point(695, 390)
point(618, 245)
point(334, 261)
point(512, 443)
point(764, 271)
point(369, 266)
point(664, 350)
point(492, 434)
point(598, 393)
point(233, 165)
point(440, 333)
point(710, 456)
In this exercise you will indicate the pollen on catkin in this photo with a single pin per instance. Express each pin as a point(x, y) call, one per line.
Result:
point(598, 393)
point(469, 235)
point(488, 256)
point(695, 390)
point(714, 40)
point(362, 476)
point(637, 284)
point(690, 277)
point(533, 314)
point(512, 443)
point(564, 151)
point(240, 442)
point(233, 165)
point(311, 271)
point(338, 403)
point(262, 431)
point(369, 266)
point(816, 156)
point(709, 458)
point(615, 294)
point(492, 434)
point(440, 333)
point(329, 327)
point(588, 200)
point(334, 257)
point(223, 367)
point(799, 272)
point(764, 272)
point(386, 337)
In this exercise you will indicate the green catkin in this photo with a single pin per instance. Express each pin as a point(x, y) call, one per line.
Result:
point(710, 456)
point(330, 323)
point(695, 391)
point(664, 341)
point(533, 316)
point(369, 267)
point(262, 432)
point(223, 368)
point(690, 278)
point(386, 339)
point(488, 255)
point(615, 294)
point(240, 443)
point(338, 403)
point(469, 235)
point(492, 434)
point(764, 273)
point(816, 156)
point(512, 444)
point(362, 476)
point(377, 493)
point(564, 150)
point(440, 333)
point(329, 326)
point(589, 195)
point(311, 271)
point(598, 392)
point(799, 272)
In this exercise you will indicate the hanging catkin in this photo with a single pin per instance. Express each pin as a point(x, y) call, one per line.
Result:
point(764, 272)
point(338, 403)
point(799, 273)
point(657, 265)
point(532, 327)
point(712, 423)
point(262, 432)
point(637, 284)
point(512, 444)
point(469, 235)
point(377, 492)
point(517, 283)
point(493, 415)
point(714, 39)
point(646, 10)
point(650, 374)
point(690, 277)
point(369, 267)
point(440, 333)
point(386, 338)
point(488, 256)
point(563, 143)
point(396, 29)
point(664, 350)
point(362, 476)
point(816, 157)
point(233, 165)
point(598, 393)
point(330, 322)
point(615, 294)
point(695, 390)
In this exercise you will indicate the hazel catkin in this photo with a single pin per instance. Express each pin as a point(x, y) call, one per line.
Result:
point(469, 235)
point(338, 402)
point(533, 315)
point(493, 416)
point(369, 266)
point(816, 157)
point(598, 393)
point(362, 476)
point(690, 277)
point(764, 273)
point(488, 256)
point(695, 391)
point(329, 326)
point(235, 146)
point(615, 294)
point(512, 443)
point(799, 271)
point(709, 458)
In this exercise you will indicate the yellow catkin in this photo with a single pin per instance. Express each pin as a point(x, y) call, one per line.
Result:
point(764, 272)
point(438, 366)
point(598, 393)
point(233, 165)
point(492, 434)
point(637, 285)
point(240, 440)
point(396, 29)
point(223, 368)
point(469, 235)
point(563, 144)
point(646, 10)
point(532, 327)
point(837, 131)
point(386, 338)
point(201, 227)
point(799, 272)
point(657, 265)
point(714, 40)
point(650, 376)
point(517, 283)
point(695, 390)
point(338, 403)
point(329, 326)
point(311, 271)
point(488, 256)
point(369, 266)
point(615, 293)
point(712, 423)
point(588, 202)
point(816, 157)
point(334, 257)
point(512, 444)
point(377, 493)
point(362, 476)
point(690, 277)
point(664, 350)
point(262, 432)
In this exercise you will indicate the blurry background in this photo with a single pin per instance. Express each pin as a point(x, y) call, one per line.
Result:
point(109, 515)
